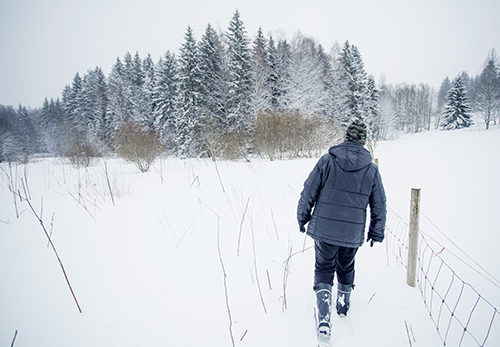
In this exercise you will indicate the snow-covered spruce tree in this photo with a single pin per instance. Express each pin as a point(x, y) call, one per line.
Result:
point(140, 105)
point(441, 99)
point(261, 75)
point(118, 96)
point(372, 114)
point(239, 69)
point(148, 67)
point(27, 134)
point(76, 146)
point(8, 143)
point(188, 118)
point(93, 108)
point(72, 104)
point(456, 114)
point(49, 122)
point(350, 86)
point(213, 88)
point(282, 71)
point(163, 99)
point(488, 90)
point(272, 62)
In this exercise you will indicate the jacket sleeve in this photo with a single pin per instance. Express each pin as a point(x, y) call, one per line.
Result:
point(310, 193)
point(378, 210)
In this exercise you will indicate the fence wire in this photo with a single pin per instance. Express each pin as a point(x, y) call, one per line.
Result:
point(461, 315)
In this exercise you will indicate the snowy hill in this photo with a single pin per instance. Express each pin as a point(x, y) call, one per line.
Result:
point(190, 257)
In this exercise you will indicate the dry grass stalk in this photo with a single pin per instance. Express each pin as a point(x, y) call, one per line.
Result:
point(241, 226)
point(256, 273)
point(225, 286)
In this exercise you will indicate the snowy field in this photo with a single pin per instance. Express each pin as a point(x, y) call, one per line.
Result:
point(191, 254)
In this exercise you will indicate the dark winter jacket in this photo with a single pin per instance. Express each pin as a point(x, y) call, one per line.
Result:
point(340, 187)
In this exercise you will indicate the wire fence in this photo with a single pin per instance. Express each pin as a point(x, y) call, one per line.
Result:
point(461, 315)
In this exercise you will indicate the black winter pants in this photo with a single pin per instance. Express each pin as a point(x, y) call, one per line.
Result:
point(330, 258)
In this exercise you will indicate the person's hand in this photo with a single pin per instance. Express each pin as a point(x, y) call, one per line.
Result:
point(302, 229)
point(371, 240)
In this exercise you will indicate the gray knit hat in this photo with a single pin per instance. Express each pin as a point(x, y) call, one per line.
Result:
point(356, 132)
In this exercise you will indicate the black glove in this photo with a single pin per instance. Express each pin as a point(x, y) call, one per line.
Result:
point(371, 240)
point(302, 228)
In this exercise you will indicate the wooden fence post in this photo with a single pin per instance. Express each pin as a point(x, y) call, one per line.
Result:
point(411, 274)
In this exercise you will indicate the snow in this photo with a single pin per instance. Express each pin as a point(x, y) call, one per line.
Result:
point(148, 271)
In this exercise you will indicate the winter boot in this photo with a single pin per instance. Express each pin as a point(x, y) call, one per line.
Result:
point(343, 298)
point(324, 301)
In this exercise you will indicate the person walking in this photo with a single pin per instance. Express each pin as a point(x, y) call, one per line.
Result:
point(334, 201)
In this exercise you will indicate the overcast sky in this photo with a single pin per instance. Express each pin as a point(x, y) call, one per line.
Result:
point(43, 43)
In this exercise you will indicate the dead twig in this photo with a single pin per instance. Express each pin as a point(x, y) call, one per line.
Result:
point(294, 254)
point(190, 227)
point(83, 205)
point(51, 227)
point(241, 226)
point(285, 279)
point(51, 244)
point(269, 280)
point(256, 274)
point(218, 174)
point(225, 286)
point(274, 223)
point(109, 183)
point(408, 333)
point(164, 215)
point(13, 340)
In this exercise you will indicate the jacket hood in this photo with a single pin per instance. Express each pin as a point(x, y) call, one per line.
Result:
point(351, 156)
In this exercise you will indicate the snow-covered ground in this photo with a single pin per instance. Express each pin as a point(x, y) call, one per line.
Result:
point(190, 257)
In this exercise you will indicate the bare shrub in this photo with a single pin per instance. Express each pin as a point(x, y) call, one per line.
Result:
point(138, 145)
point(281, 135)
point(223, 141)
point(83, 153)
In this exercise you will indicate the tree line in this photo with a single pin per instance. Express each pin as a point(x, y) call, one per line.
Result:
point(226, 95)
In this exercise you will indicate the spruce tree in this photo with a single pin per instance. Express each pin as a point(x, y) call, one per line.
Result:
point(163, 98)
point(148, 68)
point(272, 56)
point(261, 75)
point(239, 67)
point(351, 92)
point(94, 106)
point(372, 116)
point(188, 122)
point(456, 114)
point(72, 106)
point(281, 91)
point(8, 136)
point(118, 96)
point(27, 134)
point(211, 65)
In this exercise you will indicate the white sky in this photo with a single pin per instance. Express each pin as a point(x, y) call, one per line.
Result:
point(43, 43)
